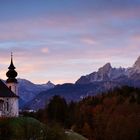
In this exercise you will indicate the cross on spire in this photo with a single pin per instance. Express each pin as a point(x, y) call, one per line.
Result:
point(11, 65)
point(11, 55)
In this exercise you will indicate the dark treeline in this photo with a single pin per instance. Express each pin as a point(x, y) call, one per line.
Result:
point(111, 116)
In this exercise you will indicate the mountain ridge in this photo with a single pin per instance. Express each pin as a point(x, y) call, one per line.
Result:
point(28, 90)
point(101, 81)
point(107, 73)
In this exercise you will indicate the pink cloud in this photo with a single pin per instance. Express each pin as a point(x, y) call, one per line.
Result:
point(45, 50)
point(88, 40)
point(136, 37)
point(67, 45)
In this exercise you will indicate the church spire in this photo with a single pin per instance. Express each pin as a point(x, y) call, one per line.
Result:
point(11, 74)
point(11, 64)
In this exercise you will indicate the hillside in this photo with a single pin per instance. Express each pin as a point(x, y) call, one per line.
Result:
point(114, 115)
point(21, 128)
point(74, 136)
point(71, 92)
point(111, 116)
point(27, 128)
point(28, 90)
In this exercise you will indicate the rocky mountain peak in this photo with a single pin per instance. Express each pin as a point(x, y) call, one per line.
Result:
point(136, 67)
point(50, 84)
point(137, 63)
point(106, 68)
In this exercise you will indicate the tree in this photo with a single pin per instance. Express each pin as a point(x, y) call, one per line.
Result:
point(57, 109)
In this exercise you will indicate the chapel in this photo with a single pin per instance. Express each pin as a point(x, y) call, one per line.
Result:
point(9, 93)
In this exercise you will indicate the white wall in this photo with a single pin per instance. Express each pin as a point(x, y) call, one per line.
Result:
point(14, 87)
point(13, 109)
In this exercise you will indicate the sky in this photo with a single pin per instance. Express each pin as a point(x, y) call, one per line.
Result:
point(61, 40)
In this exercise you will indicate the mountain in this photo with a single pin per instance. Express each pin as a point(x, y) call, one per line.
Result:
point(125, 76)
point(105, 79)
point(28, 90)
point(70, 92)
point(105, 73)
point(136, 66)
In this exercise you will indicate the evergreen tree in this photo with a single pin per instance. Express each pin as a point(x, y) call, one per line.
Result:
point(57, 109)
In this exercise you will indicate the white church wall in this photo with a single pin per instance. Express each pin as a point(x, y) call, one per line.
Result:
point(13, 107)
point(10, 107)
point(13, 87)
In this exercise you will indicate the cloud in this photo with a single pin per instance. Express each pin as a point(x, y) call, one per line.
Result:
point(45, 50)
point(88, 40)
point(136, 37)
point(62, 46)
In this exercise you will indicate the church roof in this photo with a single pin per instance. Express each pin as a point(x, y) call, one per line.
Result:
point(11, 74)
point(5, 91)
point(11, 64)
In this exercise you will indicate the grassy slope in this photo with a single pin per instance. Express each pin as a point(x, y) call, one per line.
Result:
point(74, 136)
point(20, 128)
point(25, 128)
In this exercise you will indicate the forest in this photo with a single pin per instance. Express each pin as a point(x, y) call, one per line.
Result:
point(114, 115)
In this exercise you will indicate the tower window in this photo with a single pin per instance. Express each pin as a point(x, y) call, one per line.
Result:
point(7, 106)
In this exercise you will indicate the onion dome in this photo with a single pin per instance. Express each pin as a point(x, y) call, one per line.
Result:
point(11, 73)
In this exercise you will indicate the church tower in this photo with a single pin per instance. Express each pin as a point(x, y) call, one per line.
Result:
point(12, 74)
point(12, 84)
